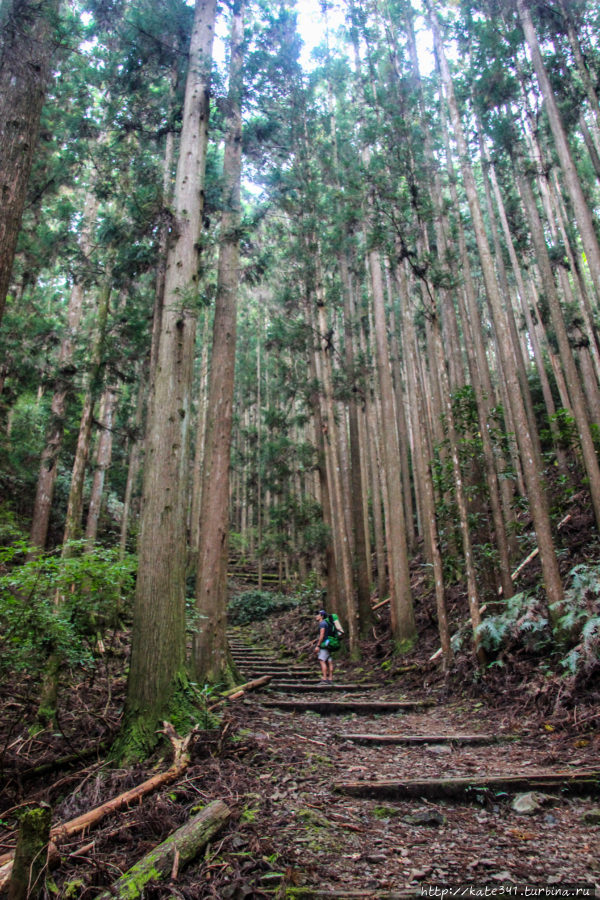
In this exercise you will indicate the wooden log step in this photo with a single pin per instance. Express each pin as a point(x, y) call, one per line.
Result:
point(469, 787)
point(364, 707)
point(284, 675)
point(291, 687)
point(262, 661)
point(424, 738)
point(279, 669)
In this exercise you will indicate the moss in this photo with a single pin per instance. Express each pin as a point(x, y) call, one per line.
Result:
point(136, 881)
point(405, 645)
point(314, 818)
point(385, 812)
point(138, 737)
point(249, 814)
point(29, 863)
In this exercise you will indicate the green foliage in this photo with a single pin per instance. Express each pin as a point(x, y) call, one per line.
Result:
point(50, 604)
point(254, 606)
point(524, 624)
point(579, 619)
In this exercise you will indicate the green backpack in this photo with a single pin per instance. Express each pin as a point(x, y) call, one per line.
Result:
point(335, 631)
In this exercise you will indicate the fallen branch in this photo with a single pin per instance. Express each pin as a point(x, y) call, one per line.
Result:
point(381, 603)
point(241, 691)
point(244, 688)
point(534, 552)
point(166, 859)
point(60, 832)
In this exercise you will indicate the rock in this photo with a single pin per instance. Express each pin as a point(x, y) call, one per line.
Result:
point(591, 817)
point(438, 748)
point(527, 804)
point(502, 876)
point(425, 817)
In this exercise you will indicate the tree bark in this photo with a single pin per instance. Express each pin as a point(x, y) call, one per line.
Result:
point(402, 613)
point(25, 63)
point(158, 637)
point(210, 650)
point(27, 877)
point(580, 206)
point(103, 460)
point(535, 488)
point(55, 429)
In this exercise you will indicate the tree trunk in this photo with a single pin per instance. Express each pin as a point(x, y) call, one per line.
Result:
point(103, 460)
point(342, 542)
point(361, 564)
point(210, 650)
point(28, 871)
point(133, 465)
point(401, 605)
point(75, 504)
point(580, 206)
point(28, 28)
point(55, 429)
point(566, 353)
point(423, 467)
point(158, 637)
point(535, 488)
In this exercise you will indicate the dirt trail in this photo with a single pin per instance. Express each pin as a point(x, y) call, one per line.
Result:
point(292, 834)
point(331, 844)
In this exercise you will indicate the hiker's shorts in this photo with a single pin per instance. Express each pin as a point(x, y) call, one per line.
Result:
point(324, 654)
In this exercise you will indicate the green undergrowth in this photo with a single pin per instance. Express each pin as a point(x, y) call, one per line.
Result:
point(254, 606)
point(565, 638)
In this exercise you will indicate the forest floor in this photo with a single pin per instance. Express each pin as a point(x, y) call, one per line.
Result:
point(291, 833)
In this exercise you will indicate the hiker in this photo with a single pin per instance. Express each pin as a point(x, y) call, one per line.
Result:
point(323, 654)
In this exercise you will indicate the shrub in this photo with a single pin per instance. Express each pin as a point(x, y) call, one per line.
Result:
point(51, 604)
point(575, 637)
point(254, 606)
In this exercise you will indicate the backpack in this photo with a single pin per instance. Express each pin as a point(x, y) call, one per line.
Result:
point(334, 632)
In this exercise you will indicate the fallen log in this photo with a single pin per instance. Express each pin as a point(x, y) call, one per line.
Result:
point(60, 832)
point(177, 850)
point(239, 691)
point(471, 786)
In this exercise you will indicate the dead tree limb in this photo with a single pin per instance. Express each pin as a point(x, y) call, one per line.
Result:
point(60, 832)
point(241, 691)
